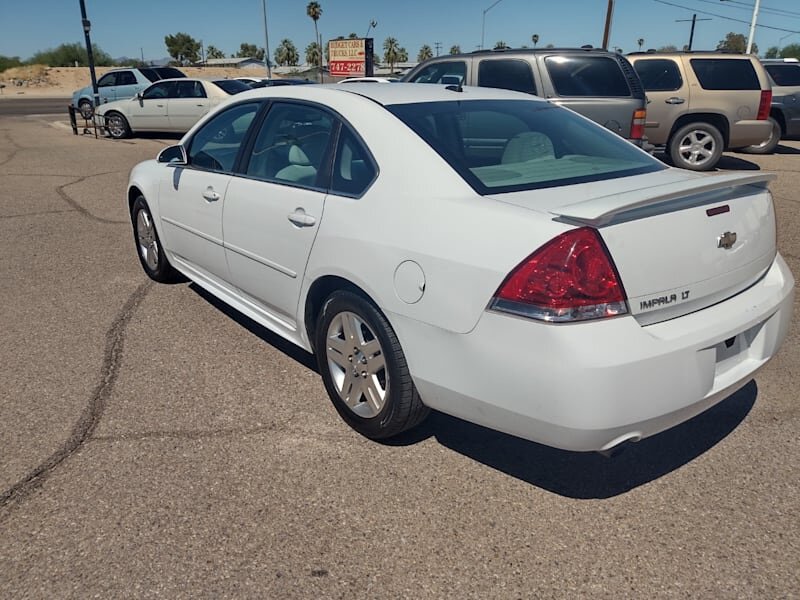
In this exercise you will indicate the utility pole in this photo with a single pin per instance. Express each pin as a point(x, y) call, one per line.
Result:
point(87, 26)
point(609, 17)
point(266, 39)
point(438, 46)
point(694, 19)
point(753, 26)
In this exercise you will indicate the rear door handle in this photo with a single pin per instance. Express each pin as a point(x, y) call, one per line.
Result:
point(210, 194)
point(675, 100)
point(301, 219)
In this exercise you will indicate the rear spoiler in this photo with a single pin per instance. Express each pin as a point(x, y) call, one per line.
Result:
point(600, 211)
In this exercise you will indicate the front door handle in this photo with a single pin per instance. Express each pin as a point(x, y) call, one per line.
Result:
point(675, 100)
point(301, 219)
point(210, 194)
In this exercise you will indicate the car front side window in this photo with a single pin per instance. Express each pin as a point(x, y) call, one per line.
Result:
point(216, 144)
point(158, 91)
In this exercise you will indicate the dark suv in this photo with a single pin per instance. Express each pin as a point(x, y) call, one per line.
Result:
point(784, 114)
point(598, 84)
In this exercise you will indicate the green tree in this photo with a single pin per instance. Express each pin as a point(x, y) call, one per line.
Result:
point(393, 53)
point(312, 54)
point(550, 46)
point(250, 51)
point(214, 52)
point(9, 62)
point(735, 42)
point(66, 55)
point(668, 48)
point(183, 47)
point(791, 51)
point(424, 53)
point(640, 43)
point(772, 52)
point(314, 11)
point(500, 45)
point(535, 39)
point(286, 54)
point(455, 49)
point(353, 36)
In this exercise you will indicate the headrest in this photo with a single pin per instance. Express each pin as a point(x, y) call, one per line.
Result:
point(298, 157)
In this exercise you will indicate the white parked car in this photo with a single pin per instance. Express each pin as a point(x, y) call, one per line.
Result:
point(169, 105)
point(476, 251)
point(370, 80)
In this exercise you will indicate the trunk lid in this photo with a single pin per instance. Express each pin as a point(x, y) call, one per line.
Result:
point(680, 241)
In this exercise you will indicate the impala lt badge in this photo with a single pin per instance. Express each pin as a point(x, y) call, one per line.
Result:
point(726, 240)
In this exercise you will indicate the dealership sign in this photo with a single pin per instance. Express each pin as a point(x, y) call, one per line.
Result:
point(350, 58)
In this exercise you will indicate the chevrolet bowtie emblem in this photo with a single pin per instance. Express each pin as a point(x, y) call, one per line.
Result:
point(726, 240)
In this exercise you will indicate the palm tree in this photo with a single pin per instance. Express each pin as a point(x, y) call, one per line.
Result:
point(640, 41)
point(312, 54)
point(500, 45)
point(455, 49)
point(286, 53)
point(353, 36)
point(535, 39)
point(391, 52)
point(214, 52)
point(314, 10)
point(424, 53)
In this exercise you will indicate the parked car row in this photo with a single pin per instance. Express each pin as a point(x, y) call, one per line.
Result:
point(690, 105)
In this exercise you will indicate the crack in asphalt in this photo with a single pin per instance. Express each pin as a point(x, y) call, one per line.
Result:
point(15, 147)
point(186, 434)
point(36, 214)
point(785, 199)
point(92, 413)
point(85, 212)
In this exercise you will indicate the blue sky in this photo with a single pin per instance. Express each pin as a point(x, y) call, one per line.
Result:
point(132, 28)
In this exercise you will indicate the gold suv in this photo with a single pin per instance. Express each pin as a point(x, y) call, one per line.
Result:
point(701, 103)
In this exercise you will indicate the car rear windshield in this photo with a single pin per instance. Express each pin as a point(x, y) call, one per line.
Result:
point(232, 86)
point(587, 76)
point(502, 146)
point(169, 72)
point(725, 73)
point(784, 74)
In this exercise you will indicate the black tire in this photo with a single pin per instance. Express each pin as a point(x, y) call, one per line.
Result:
point(767, 146)
point(86, 109)
point(696, 147)
point(117, 125)
point(148, 245)
point(373, 373)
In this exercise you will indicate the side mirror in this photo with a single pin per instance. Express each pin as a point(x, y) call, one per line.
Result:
point(173, 155)
point(139, 97)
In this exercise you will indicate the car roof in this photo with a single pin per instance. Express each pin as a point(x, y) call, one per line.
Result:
point(397, 93)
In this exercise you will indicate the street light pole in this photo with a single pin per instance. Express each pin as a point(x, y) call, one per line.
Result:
point(266, 39)
point(87, 26)
point(483, 22)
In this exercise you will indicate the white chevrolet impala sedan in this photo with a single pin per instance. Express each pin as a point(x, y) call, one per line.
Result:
point(475, 251)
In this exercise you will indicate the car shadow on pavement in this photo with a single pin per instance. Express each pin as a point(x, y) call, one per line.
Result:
point(735, 163)
point(781, 149)
point(289, 349)
point(580, 475)
point(588, 475)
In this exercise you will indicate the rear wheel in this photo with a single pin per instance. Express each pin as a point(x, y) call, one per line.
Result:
point(86, 109)
point(696, 146)
point(148, 245)
point(364, 368)
point(767, 146)
point(117, 126)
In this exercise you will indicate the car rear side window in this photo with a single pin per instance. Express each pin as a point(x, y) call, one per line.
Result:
point(725, 73)
point(659, 75)
point(126, 78)
point(150, 74)
point(507, 74)
point(587, 76)
point(784, 74)
point(353, 169)
point(449, 72)
point(232, 86)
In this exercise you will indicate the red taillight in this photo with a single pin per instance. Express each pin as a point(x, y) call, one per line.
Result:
point(570, 278)
point(637, 124)
point(764, 105)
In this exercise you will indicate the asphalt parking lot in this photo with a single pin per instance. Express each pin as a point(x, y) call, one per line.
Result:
point(154, 443)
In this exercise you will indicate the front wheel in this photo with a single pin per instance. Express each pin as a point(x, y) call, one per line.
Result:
point(86, 109)
point(117, 126)
point(767, 146)
point(364, 368)
point(148, 245)
point(696, 146)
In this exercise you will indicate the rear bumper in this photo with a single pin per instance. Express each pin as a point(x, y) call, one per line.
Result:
point(590, 386)
point(748, 133)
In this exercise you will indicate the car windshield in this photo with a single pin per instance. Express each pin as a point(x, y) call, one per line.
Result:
point(502, 146)
point(232, 86)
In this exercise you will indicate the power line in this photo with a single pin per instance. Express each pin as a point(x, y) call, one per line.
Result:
point(704, 12)
point(749, 7)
